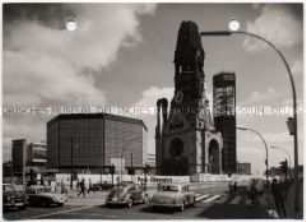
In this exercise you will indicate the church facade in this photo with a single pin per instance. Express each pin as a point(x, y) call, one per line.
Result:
point(187, 141)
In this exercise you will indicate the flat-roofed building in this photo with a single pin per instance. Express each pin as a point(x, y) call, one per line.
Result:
point(91, 141)
point(32, 156)
point(244, 168)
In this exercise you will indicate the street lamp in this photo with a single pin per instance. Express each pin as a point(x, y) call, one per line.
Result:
point(266, 147)
point(293, 121)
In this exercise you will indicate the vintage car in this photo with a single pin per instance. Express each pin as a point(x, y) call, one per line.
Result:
point(126, 195)
point(173, 195)
point(42, 196)
point(14, 196)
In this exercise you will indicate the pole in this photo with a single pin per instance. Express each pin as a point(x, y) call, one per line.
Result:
point(24, 165)
point(294, 98)
point(12, 172)
point(132, 168)
point(121, 167)
point(266, 148)
point(11, 166)
point(71, 162)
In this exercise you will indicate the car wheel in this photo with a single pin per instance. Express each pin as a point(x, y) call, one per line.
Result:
point(182, 207)
point(192, 202)
point(146, 199)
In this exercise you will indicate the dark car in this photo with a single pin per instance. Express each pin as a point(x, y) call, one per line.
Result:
point(126, 195)
point(101, 186)
point(14, 196)
point(42, 196)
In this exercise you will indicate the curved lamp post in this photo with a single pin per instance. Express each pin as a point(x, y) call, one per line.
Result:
point(292, 121)
point(265, 144)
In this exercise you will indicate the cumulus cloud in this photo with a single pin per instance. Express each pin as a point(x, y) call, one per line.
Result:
point(151, 95)
point(43, 62)
point(277, 23)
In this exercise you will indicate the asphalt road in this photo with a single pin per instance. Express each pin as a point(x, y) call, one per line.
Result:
point(215, 204)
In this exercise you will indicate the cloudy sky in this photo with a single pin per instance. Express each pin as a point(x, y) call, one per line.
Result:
point(121, 56)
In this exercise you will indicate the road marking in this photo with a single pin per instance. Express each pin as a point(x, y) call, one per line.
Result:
point(61, 212)
point(202, 197)
point(215, 197)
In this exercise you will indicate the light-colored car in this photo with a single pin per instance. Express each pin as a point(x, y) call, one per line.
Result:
point(42, 196)
point(127, 194)
point(173, 195)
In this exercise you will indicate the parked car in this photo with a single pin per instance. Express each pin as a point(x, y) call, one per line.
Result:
point(173, 195)
point(127, 194)
point(14, 196)
point(42, 196)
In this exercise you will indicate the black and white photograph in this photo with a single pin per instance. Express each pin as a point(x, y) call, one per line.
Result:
point(152, 110)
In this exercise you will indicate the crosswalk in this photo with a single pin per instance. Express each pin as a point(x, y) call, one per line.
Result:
point(222, 198)
point(207, 198)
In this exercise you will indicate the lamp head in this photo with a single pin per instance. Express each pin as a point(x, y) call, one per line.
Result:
point(234, 25)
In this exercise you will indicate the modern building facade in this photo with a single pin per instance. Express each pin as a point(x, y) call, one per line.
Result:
point(96, 140)
point(224, 111)
point(151, 160)
point(31, 156)
point(187, 142)
point(244, 168)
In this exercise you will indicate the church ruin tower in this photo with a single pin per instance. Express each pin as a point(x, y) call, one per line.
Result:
point(186, 141)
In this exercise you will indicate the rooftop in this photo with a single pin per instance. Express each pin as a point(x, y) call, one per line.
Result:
point(98, 115)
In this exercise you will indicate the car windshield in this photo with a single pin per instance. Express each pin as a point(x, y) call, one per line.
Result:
point(170, 188)
point(118, 190)
point(37, 190)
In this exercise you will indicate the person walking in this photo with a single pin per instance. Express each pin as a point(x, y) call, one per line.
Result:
point(278, 198)
point(89, 186)
point(253, 192)
point(82, 188)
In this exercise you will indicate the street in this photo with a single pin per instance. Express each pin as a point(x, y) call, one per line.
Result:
point(212, 203)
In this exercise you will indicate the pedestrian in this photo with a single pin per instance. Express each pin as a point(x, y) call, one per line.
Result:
point(230, 186)
point(82, 188)
point(63, 188)
point(278, 198)
point(53, 186)
point(89, 186)
point(253, 191)
point(235, 187)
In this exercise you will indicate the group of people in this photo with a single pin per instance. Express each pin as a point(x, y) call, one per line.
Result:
point(84, 188)
point(277, 189)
